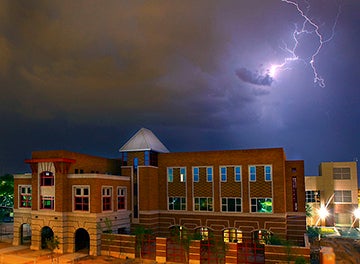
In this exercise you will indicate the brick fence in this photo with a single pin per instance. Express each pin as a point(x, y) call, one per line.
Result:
point(124, 246)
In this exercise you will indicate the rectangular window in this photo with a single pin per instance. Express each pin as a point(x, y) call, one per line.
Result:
point(209, 174)
point(341, 173)
point(261, 205)
point(107, 198)
point(229, 204)
point(312, 196)
point(223, 175)
point(81, 198)
point(170, 174)
point(268, 173)
point(203, 204)
point(237, 170)
point(196, 174)
point(182, 174)
point(252, 173)
point(46, 178)
point(47, 202)
point(121, 198)
point(342, 196)
point(177, 203)
point(147, 158)
point(25, 196)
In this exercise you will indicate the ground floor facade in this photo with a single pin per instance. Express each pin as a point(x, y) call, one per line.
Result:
point(229, 227)
point(74, 232)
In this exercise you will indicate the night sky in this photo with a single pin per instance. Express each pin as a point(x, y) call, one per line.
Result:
point(86, 75)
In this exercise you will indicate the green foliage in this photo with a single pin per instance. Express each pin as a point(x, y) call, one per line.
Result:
point(52, 243)
point(313, 233)
point(7, 190)
point(308, 210)
point(300, 260)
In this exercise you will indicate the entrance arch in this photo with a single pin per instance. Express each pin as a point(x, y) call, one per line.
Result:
point(46, 234)
point(82, 240)
point(25, 234)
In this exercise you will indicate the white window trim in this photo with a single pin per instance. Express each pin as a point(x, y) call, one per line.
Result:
point(111, 196)
point(118, 195)
point(73, 197)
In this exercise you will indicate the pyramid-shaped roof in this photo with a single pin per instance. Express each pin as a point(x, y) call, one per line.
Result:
point(144, 139)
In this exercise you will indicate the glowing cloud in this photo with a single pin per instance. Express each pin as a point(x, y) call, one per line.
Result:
point(254, 77)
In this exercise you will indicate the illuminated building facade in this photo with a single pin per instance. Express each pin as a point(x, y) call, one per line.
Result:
point(335, 190)
point(234, 194)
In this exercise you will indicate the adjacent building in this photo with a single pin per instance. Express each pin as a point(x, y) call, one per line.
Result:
point(333, 195)
point(233, 194)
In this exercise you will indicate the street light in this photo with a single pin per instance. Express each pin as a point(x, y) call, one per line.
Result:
point(322, 213)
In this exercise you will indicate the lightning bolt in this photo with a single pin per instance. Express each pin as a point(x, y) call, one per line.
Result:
point(308, 22)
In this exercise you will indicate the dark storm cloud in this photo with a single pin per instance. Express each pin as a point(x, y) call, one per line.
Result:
point(254, 77)
point(85, 75)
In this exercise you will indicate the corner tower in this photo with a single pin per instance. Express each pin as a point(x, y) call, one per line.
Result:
point(139, 159)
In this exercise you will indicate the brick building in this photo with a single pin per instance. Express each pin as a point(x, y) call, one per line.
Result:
point(233, 194)
point(334, 192)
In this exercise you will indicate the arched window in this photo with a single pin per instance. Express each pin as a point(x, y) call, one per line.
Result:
point(46, 178)
point(232, 235)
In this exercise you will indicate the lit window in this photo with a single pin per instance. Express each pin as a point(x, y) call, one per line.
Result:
point(204, 233)
point(196, 174)
point(261, 205)
point(209, 174)
point(232, 235)
point(81, 198)
point(170, 174)
point(106, 198)
point(268, 173)
point(46, 178)
point(230, 204)
point(312, 196)
point(121, 198)
point(177, 203)
point(223, 174)
point(238, 174)
point(182, 174)
point(203, 203)
point(47, 202)
point(252, 173)
point(25, 196)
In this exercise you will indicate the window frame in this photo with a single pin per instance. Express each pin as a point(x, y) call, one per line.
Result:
point(182, 174)
point(223, 174)
point(44, 177)
point(268, 174)
point(236, 179)
point(44, 198)
point(170, 174)
point(256, 204)
point(209, 204)
point(342, 197)
point(236, 204)
point(209, 174)
point(196, 175)
point(84, 198)
point(27, 195)
point(252, 174)
point(342, 173)
point(172, 200)
point(107, 199)
point(121, 198)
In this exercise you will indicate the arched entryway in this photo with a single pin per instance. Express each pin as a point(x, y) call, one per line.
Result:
point(82, 240)
point(46, 235)
point(25, 234)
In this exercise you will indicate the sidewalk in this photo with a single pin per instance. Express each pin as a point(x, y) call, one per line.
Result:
point(23, 255)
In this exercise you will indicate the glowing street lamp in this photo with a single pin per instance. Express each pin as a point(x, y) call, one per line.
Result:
point(322, 213)
point(357, 213)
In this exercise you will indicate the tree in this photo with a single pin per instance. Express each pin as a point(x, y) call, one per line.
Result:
point(141, 234)
point(7, 190)
point(52, 243)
